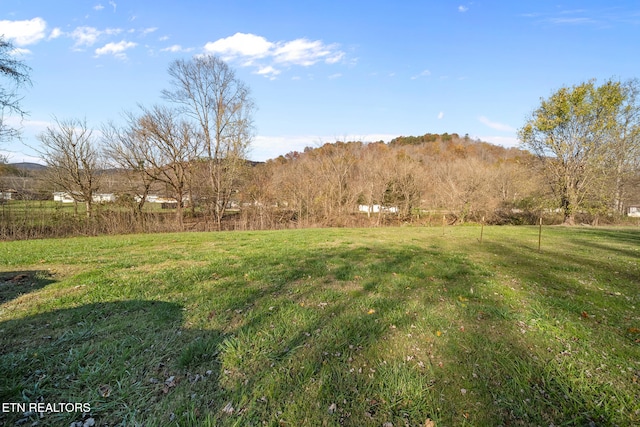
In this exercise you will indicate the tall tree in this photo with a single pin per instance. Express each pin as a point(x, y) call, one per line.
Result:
point(207, 90)
point(569, 134)
point(17, 74)
point(74, 160)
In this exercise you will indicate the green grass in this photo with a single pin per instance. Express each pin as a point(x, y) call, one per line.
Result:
point(48, 211)
point(326, 327)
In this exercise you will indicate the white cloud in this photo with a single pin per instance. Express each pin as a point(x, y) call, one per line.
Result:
point(572, 21)
point(462, 8)
point(335, 58)
point(265, 55)
point(440, 115)
point(19, 157)
point(269, 147)
point(112, 3)
point(98, 7)
point(27, 124)
point(55, 33)
point(375, 137)
point(88, 36)
point(175, 48)
point(495, 125)
point(304, 52)
point(240, 45)
point(85, 36)
point(19, 51)
point(425, 73)
point(24, 33)
point(115, 49)
point(149, 30)
point(335, 76)
point(578, 17)
point(268, 71)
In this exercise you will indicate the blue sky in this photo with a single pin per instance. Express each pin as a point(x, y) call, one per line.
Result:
point(322, 71)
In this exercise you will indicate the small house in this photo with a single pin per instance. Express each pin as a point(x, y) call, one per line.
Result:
point(377, 208)
point(7, 195)
point(63, 197)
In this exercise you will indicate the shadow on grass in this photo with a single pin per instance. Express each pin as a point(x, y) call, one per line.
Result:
point(311, 347)
point(629, 236)
point(351, 336)
point(16, 283)
point(609, 242)
point(580, 310)
point(125, 359)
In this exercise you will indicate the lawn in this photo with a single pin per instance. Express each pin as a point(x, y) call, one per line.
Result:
point(394, 326)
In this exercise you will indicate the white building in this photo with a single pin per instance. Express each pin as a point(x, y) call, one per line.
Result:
point(64, 197)
point(152, 198)
point(377, 208)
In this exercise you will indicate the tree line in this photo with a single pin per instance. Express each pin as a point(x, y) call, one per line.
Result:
point(579, 162)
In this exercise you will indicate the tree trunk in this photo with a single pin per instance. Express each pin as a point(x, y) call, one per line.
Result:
point(569, 204)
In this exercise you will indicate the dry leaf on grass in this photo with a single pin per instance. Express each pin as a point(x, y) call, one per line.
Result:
point(104, 390)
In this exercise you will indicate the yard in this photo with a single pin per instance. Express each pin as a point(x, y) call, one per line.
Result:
point(414, 326)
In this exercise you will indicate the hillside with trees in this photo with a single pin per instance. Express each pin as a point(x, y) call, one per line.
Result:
point(410, 180)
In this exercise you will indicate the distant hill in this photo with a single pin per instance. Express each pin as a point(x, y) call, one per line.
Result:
point(28, 166)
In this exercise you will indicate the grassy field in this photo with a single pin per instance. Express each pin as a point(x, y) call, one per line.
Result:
point(380, 327)
point(51, 210)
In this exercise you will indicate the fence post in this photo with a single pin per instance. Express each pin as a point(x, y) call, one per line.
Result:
point(540, 235)
point(481, 229)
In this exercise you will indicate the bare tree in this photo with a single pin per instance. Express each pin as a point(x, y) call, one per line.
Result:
point(74, 160)
point(207, 90)
point(18, 75)
point(123, 150)
point(158, 147)
point(404, 188)
point(259, 196)
point(333, 169)
point(374, 175)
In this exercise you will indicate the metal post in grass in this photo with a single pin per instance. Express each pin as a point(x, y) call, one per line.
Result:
point(481, 229)
point(540, 235)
